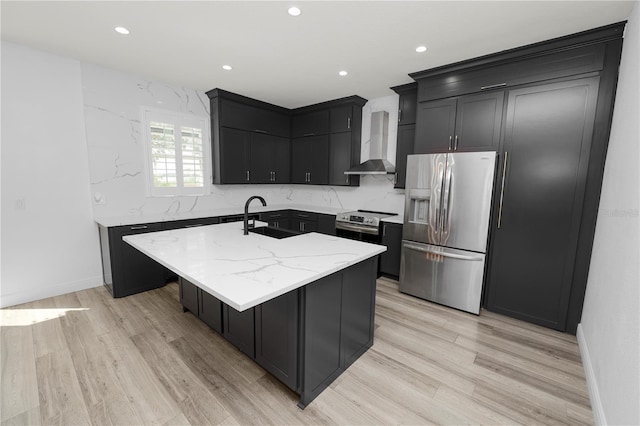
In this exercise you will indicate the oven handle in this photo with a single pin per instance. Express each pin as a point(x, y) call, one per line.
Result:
point(357, 228)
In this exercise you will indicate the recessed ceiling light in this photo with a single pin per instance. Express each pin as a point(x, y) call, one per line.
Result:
point(342, 73)
point(122, 30)
point(294, 11)
point(227, 67)
point(421, 49)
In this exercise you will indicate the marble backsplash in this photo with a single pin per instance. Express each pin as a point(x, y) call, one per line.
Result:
point(112, 108)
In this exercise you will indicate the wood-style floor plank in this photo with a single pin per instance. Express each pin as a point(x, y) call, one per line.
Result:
point(141, 360)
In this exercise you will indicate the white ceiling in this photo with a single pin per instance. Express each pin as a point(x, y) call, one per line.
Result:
point(293, 61)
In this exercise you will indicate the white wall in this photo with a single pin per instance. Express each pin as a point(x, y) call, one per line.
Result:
point(609, 333)
point(49, 240)
point(114, 137)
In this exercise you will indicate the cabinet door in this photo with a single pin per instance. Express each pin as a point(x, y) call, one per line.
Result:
point(478, 121)
point(341, 119)
point(188, 296)
point(319, 171)
point(406, 136)
point(310, 124)
point(326, 224)
point(339, 158)
point(277, 337)
point(392, 239)
point(252, 118)
point(281, 160)
point(435, 125)
point(234, 153)
point(134, 272)
point(407, 108)
point(303, 225)
point(262, 158)
point(301, 157)
point(210, 310)
point(547, 143)
point(239, 329)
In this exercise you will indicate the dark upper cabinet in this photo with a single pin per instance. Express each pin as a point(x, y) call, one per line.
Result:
point(435, 126)
point(310, 160)
point(342, 119)
point(468, 123)
point(392, 239)
point(259, 119)
point(544, 166)
point(235, 149)
point(478, 120)
point(310, 123)
point(340, 158)
point(406, 136)
point(407, 107)
point(269, 159)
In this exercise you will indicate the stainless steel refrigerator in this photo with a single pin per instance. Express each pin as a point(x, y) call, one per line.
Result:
point(446, 221)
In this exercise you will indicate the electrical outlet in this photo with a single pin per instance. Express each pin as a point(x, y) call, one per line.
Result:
point(99, 198)
point(21, 204)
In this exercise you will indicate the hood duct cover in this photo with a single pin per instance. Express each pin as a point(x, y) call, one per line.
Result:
point(377, 164)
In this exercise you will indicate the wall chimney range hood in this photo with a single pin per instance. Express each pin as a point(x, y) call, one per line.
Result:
point(377, 164)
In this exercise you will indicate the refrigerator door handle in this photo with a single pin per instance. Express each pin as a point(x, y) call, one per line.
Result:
point(446, 204)
point(442, 253)
point(439, 199)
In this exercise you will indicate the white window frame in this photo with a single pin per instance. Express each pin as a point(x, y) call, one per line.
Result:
point(178, 120)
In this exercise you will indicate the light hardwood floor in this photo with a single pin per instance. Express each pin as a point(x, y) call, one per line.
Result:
point(141, 360)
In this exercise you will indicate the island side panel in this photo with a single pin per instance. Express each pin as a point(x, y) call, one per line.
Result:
point(337, 322)
point(320, 362)
point(358, 310)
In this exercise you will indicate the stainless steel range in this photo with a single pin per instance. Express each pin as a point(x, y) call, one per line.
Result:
point(362, 225)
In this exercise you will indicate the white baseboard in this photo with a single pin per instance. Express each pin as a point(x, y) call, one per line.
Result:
point(592, 384)
point(43, 292)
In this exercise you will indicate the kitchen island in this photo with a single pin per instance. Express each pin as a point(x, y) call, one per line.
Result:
point(302, 307)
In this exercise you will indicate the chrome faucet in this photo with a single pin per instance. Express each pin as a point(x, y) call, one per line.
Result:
point(246, 211)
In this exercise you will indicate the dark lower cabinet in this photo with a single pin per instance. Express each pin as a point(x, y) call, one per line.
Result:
point(547, 144)
point(326, 224)
point(239, 329)
point(126, 270)
point(276, 334)
point(189, 296)
point(201, 304)
point(210, 310)
point(392, 239)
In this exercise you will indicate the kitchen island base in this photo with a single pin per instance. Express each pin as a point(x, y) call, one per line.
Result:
point(305, 338)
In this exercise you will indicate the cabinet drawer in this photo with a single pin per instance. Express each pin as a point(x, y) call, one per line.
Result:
point(189, 223)
point(310, 124)
point(341, 119)
point(538, 68)
point(297, 214)
point(248, 117)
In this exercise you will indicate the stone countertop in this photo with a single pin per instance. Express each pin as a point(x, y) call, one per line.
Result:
point(167, 217)
point(244, 271)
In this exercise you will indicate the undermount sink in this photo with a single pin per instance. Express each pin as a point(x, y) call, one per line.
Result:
point(278, 233)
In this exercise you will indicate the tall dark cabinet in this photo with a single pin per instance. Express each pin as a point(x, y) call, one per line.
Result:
point(546, 109)
point(407, 104)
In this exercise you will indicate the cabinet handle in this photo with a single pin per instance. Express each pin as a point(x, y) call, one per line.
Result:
point(348, 122)
point(274, 176)
point(248, 175)
point(504, 174)
point(455, 146)
point(260, 131)
point(399, 115)
point(395, 178)
point(450, 143)
point(309, 134)
point(194, 226)
point(384, 230)
point(493, 86)
point(346, 178)
point(135, 228)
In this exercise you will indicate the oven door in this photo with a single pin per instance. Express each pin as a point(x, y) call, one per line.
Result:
point(358, 232)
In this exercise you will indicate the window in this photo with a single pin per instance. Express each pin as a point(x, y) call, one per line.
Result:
point(177, 153)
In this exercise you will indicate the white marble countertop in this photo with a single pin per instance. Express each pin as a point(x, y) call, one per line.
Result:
point(244, 271)
point(167, 217)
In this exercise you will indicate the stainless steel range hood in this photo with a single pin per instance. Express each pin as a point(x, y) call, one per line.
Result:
point(377, 164)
